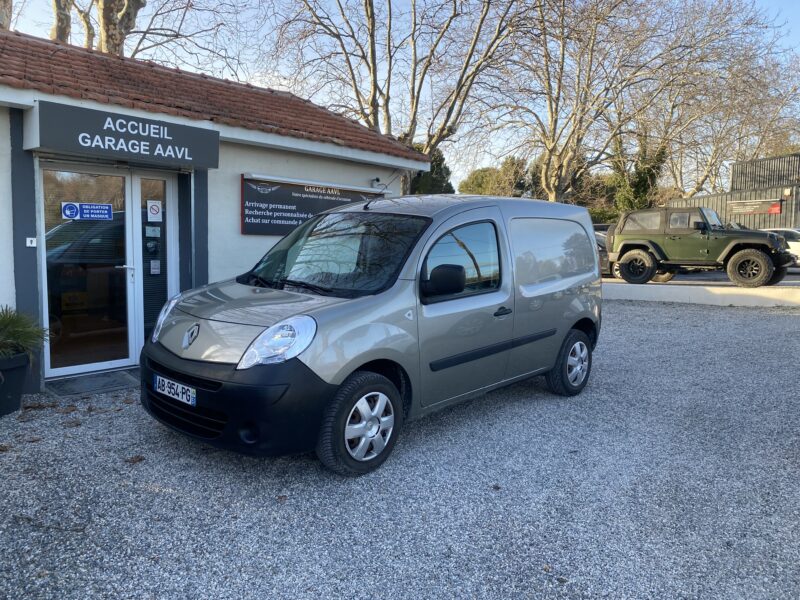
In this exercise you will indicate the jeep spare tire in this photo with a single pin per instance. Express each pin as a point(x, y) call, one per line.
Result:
point(637, 266)
point(750, 268)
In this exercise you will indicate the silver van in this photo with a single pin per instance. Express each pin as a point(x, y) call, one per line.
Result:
point(371, 315)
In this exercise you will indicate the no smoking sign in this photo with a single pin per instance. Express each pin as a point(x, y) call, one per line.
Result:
point(154, 211)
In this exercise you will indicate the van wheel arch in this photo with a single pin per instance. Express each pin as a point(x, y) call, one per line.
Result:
point(395, 373)
point(587, 326)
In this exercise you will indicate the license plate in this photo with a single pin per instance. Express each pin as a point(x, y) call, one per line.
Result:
point(173, 389)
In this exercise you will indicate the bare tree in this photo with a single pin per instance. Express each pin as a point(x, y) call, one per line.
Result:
point(586, 72)
point(748, 111)
point(62, 20)
point(405, 70)
point(5, 14)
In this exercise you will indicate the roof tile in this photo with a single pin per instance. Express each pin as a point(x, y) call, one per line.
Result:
point(27, 62)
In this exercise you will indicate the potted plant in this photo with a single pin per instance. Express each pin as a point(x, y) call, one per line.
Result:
point(20, 336)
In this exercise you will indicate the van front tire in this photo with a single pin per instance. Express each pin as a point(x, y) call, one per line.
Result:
point(361, 425)
point(573, 365)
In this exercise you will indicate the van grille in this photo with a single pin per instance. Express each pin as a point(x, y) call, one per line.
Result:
point(198, 382)
point(197, 421)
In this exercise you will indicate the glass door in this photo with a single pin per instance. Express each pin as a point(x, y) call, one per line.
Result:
point(109, 251)
point(90, 275)
point(154, 224)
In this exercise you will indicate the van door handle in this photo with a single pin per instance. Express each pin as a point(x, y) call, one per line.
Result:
point(502, 311)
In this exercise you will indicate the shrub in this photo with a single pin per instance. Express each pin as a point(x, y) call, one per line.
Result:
point(18, 333)
point(601, 214)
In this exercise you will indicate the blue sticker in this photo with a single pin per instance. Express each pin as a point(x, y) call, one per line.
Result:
point(87, 211)
point(69, 210)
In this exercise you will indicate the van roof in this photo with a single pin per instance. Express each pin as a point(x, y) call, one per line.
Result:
point(434, 205)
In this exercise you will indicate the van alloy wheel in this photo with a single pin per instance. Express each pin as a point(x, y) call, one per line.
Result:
point(577, 363)
point(573, 365)
point(369, 426)
point(360, 425)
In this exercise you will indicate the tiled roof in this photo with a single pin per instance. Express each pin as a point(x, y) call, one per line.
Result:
point(55, 68)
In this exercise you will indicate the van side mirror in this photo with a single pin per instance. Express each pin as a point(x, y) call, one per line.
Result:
point(445, 280)
point(700, 225)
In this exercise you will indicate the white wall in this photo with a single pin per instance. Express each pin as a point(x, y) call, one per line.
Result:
point(7, 292)
point(231, 253)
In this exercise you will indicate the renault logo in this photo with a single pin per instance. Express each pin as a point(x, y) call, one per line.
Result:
point(191, 335)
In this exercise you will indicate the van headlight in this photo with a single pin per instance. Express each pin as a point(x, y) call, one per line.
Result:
point(280, 342)
point(162, 316)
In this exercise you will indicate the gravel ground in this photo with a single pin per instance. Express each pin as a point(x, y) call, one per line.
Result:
point(674, 475)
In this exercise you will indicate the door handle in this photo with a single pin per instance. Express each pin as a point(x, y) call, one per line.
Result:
point(502, 311)
point(124, 267)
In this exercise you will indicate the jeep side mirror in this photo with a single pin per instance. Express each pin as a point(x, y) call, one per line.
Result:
point(700, 225)
point(445, 280)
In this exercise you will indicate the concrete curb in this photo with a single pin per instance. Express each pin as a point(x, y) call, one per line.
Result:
point(715, 295)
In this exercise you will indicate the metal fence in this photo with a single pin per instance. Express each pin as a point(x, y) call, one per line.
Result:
point(766, 173)
point(755, 209)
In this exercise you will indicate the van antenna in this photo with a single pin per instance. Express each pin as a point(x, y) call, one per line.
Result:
point(383, 187)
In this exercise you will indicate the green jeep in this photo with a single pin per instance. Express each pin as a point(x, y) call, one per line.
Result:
point(655, 243)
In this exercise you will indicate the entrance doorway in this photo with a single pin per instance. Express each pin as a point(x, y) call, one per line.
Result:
point(110, 263)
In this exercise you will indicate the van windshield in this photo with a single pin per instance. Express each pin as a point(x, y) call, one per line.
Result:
point(340, 254)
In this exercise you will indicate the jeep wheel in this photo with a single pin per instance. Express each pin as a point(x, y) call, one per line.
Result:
point(778, 275)
point(663, 276)
point(750, 268)
point(615, 271)
point(361, 425)
point(637, 266)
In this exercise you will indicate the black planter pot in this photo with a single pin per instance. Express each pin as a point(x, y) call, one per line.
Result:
point(12, 379)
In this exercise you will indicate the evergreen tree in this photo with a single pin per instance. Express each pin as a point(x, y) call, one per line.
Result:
point(435, 181)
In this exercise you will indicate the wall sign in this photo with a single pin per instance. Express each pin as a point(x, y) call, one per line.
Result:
point(274, 208)
point(87, 211)
point(75, 130)
point(755, 207)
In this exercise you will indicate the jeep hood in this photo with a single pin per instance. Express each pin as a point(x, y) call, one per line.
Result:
point(230, 315)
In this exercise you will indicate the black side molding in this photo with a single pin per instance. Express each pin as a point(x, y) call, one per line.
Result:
point(464, 357)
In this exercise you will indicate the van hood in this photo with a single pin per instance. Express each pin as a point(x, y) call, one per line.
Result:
point(233, 302)
point(226, 317)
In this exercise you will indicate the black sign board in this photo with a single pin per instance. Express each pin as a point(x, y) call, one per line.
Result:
point(76, 130)
point(274, 208)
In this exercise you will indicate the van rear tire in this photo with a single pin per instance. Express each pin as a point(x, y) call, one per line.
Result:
point(573, 365)
point(355, 437)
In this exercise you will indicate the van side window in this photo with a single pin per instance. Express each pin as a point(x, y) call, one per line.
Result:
point(549, 250)
point(643, 221)
point(473, 247)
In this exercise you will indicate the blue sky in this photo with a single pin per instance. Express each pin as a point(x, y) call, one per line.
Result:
point(787, 11)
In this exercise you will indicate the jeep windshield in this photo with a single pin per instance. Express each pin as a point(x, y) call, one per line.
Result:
point(340, 254)
point(712, 218)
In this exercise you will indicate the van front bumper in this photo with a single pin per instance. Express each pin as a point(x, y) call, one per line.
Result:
point(266, 410)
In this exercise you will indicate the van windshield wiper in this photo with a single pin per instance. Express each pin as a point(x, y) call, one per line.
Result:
point(259, 280)
point(305, 284)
